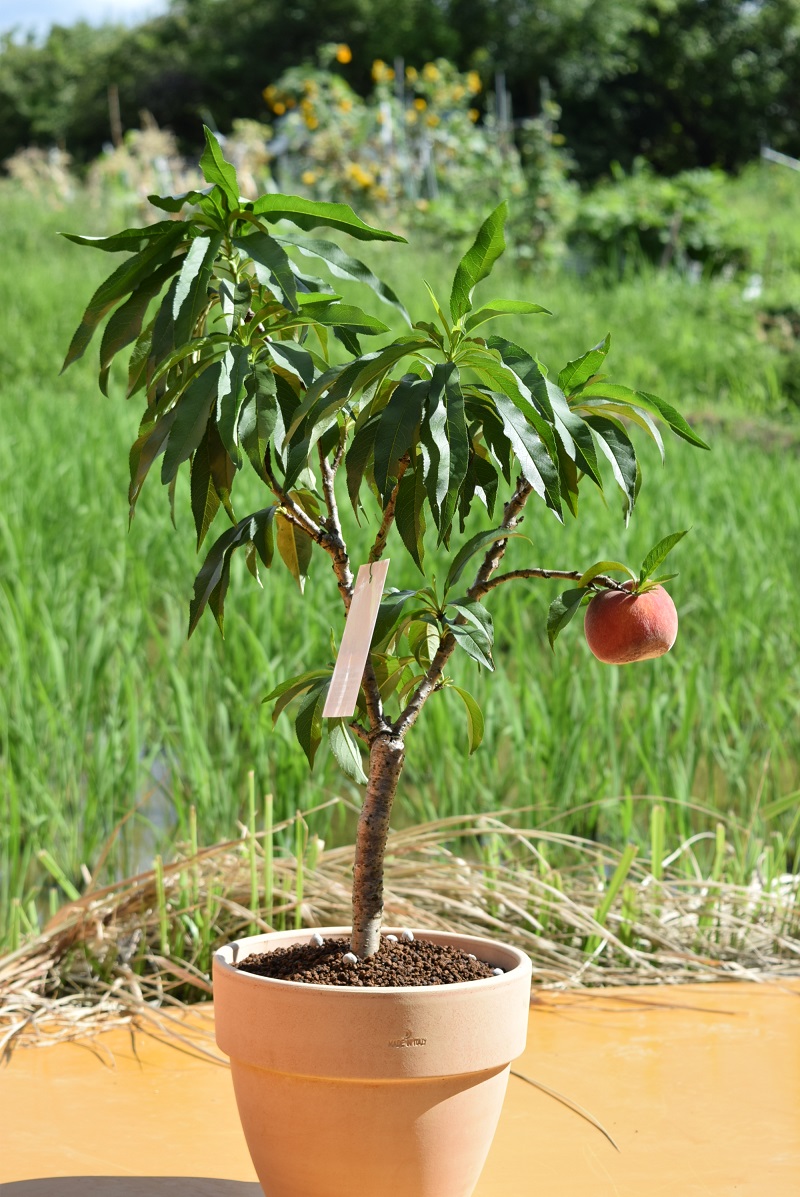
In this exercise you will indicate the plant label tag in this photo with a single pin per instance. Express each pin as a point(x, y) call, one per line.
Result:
point(354, 649)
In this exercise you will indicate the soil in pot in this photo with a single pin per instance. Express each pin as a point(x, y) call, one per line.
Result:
point(397, 963)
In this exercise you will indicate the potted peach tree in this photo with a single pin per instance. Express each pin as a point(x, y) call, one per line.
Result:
point(383, 1054)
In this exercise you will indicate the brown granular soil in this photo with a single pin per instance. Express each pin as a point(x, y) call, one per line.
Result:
point(394, 964)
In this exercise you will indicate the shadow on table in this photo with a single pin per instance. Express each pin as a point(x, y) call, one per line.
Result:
point(130, 1186)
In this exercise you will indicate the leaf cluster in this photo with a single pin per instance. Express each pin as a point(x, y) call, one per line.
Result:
point(244, 359)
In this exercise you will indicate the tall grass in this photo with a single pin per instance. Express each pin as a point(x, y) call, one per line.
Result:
point(113, 728)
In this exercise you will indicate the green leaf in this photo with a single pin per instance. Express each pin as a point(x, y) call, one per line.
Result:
point(174, 203)
point(212, 478)
point(258, 414)
point(341, 265)
point(288, 690)
point(124, 279)
point(191, 292)
point(603, 567)
point(217, 171)
point(205, 500)
point(357, 457)
point(576, 373)
point(445, 445)
point(474, 545)
point(652, 403)
point(502, 307)
point(128, 241)
point(478, 261)
point(674, 418)
point(476, 614)
point(125, 324)
point(193, 410)
point(659, 553)
point(618, 448)
point(535, 462)
point(149, 445)
point(211, 578)
point(272, 266)
point(233, 372)
point(561, 612)
point(294, 546)
point(409, 514)
point(389, 612)
point(397, 425)
point(308, 724)
point(294, 358)
point(475, 724)
point(345, 749)
point(552, 404)
point(331, 312)
point(311, 214)
point(473, 642)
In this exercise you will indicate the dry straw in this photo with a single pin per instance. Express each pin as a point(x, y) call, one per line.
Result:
point(138, 952)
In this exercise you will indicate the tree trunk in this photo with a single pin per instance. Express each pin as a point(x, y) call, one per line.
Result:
point(386, 758)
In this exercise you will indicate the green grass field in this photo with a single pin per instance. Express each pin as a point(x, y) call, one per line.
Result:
point(108, 714)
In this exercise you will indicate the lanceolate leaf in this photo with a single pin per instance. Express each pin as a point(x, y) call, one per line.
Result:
point(288, 690)
point(561, 612)
point(576, 373)
point(234, 370)
point(332, 312)
point(618, 448)
point(389, 612)
point(294, 358)
point(191, 292)
point(124, 279)
point(193, 410)
point(445, 445)
point(294, 546)
point(396, 428)
point(125, 323)
point(409, 513)
point(478, 261)
point(341, 265)
point(145, 450)
point(658, 554)
point(475, 723)
point(216, 170)
point(128, 241)
point(212, 477)
point(604, 567)
point(357, 457)
point(272, 266)
point(211, 583)
point(311, 214)
point(258, 414)
point(473, 641)
point(346, 752)
point(534, 460)
point(308, 724)
point(652, 403)
point(205, 500)
point(502, 307)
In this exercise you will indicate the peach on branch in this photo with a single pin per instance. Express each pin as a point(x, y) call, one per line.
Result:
point(622, 626)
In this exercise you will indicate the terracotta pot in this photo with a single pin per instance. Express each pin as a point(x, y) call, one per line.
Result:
point(375, 1092)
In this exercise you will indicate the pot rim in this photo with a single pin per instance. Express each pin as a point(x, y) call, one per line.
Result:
point(303, 934)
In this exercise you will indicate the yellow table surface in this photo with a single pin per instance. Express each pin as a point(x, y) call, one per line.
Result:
point(699, 1085)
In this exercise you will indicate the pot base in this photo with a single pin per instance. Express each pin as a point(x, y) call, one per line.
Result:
point(370, 1091)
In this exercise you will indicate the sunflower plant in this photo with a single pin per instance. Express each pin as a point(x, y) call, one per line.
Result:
point(243, 361)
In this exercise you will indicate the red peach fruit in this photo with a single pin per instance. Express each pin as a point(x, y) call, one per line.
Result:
point(621, 628)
